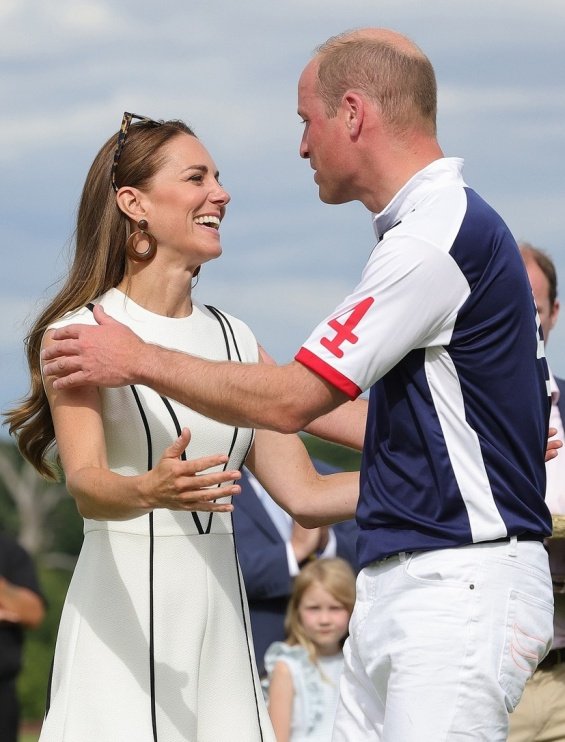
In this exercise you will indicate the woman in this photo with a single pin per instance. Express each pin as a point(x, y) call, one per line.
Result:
point(154, 637)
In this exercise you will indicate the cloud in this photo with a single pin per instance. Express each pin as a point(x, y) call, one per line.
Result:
point(230, 69)
point(50, 28)
point(280, 313)
point(15, 312)
point(462, 100)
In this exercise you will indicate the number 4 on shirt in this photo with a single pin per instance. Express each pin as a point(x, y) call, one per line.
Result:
point(344, 329)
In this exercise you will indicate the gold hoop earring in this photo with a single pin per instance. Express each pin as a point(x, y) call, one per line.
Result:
point(141, 234)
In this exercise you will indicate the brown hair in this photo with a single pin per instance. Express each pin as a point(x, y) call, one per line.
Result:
point(398, 77)
point(335, 576)
point(98, 265)
point(545, 264)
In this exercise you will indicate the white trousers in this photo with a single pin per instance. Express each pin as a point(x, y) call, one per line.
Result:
point(442, 643)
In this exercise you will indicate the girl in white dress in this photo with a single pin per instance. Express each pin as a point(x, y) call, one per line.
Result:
point(154, 642)
point(304, 671)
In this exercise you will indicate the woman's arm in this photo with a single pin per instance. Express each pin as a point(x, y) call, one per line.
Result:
point(345, 425)
point(104, 495)
point(281, 696)
point(282, 464)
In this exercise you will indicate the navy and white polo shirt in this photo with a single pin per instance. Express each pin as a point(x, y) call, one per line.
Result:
point(443, 328)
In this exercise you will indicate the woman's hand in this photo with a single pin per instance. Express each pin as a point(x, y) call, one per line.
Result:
point(184, 485)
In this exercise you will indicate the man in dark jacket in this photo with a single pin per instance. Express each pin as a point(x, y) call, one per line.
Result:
point(21, 607)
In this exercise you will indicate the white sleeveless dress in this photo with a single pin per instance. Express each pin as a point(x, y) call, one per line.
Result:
point(154, 643)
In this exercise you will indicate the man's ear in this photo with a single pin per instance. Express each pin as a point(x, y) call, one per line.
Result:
point(353, 107)
point(554, 313)
point(131, 202)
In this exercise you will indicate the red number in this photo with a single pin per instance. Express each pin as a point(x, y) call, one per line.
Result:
point(344, 330)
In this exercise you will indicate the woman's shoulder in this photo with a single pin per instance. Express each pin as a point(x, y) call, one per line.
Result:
point(82, 315)
point(236, 329)
point(219, 313)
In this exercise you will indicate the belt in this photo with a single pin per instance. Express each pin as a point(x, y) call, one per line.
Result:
point(552, 658)
point(519, 537)
point(504, 539)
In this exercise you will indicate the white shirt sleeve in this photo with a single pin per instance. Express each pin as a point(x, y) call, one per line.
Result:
point(293, 568)
point(408, 297)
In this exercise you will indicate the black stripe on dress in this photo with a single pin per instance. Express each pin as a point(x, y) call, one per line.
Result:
point(221, 319)
point(195, 516)
point(49, 684)
point(151, 571)
point(247, 635)
point(151, 555)
point(219, 316)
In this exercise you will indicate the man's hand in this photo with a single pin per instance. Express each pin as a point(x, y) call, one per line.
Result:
point(307, 541)
point(86, 355)
point(552, 446)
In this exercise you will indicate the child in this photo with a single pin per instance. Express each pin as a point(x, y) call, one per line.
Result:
point(304, 671)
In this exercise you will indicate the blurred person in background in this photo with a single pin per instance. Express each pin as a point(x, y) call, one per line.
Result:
point(540, 715)
point(21, 607)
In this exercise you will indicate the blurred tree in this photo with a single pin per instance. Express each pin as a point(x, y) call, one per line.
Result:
point(44, 518)
point(38, 649)
point(339, 456)
point(41, 514)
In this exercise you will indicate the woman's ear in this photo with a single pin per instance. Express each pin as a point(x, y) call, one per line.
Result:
point(131, 202)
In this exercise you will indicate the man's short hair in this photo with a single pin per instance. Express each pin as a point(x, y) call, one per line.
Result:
point(401, 81)
point(544, 263)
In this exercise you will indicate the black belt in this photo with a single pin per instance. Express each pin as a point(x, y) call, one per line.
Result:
point(552, 658)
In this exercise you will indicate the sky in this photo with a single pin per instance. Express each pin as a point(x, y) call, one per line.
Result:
point(69, 68)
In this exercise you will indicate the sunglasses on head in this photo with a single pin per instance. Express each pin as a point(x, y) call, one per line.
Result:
point(122, 135)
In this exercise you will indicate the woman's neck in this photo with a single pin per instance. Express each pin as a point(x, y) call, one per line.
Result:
point(167, 295)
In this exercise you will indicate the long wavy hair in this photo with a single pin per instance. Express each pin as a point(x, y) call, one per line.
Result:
point(333, 575)
point(98, 265)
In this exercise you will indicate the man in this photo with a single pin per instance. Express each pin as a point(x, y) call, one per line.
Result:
point(21, 607)
point(272, 547)
point(454, 599)
point(540, 716)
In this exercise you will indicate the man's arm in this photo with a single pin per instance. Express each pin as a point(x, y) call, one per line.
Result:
point(344, 425)
point(283, 398)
